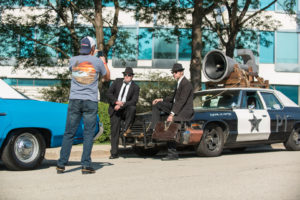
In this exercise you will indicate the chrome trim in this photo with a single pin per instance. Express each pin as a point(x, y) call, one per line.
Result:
point(100, 132)
point(26, 147)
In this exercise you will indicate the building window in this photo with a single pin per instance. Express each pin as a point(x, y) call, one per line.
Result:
point(185, 42)
point(247, 39)
point(31, 82)
point(210, 41)
point(108, 3)
point(30, 3)
point(253, 5)
point(290, 91)
point(26, 45)
point(145, 44)
point(8, 47)
point(286, 47)
point(125, 48)
point(46, 56)
point(164, 49)
point(266, 47)
point(64, 42)
point(164, 44)
point(280, 5)
point(44, 3)
point(266, 3)
point(187, 3)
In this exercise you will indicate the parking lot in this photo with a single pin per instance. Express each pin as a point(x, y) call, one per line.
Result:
point(268, 172)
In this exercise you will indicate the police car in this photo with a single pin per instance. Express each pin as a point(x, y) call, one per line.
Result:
point(233, 118)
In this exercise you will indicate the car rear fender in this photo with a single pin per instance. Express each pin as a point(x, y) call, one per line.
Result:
point(221, 124)
point(295, 126)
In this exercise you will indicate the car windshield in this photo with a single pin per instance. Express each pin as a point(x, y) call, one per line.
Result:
point(216, 99)
point(6, 92)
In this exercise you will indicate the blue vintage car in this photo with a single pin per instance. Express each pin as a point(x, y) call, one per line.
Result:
point(28, 127)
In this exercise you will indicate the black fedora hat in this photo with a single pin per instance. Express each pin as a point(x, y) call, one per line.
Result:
point(177, 67)
point(128, 70)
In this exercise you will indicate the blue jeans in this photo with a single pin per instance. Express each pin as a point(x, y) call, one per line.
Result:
point(78, 109)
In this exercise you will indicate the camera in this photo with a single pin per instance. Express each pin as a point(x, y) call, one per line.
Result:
point(99, 54)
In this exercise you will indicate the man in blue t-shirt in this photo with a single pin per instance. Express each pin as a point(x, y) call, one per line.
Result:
point(83, 102)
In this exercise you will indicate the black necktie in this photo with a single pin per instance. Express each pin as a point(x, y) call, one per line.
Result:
point(124, 91)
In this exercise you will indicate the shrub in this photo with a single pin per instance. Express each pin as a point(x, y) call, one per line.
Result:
point(159, 85)
point(105, 119)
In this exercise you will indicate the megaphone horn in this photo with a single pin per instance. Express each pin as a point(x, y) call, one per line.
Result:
point(217, 66)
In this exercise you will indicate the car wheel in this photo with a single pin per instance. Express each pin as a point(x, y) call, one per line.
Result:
point(293, 142)
point(24, 150)
point(212, 142)
point(141, 151)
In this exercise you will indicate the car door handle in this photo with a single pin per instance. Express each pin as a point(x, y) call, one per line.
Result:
point(2, 114)
point(264, 115)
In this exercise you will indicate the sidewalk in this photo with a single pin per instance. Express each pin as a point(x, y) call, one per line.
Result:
point(103, 150)
point(98, 151)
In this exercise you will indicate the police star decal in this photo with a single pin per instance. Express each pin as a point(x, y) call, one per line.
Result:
point(254, 123)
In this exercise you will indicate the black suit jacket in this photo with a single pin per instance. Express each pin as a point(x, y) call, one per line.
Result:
point(113, 93)
point(183, 105)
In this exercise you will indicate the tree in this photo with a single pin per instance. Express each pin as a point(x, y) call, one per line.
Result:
point(232, 18)
point(48, 32)
point(175, 12)
point(210, 14)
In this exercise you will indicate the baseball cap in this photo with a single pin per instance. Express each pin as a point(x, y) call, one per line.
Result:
point(86, 45)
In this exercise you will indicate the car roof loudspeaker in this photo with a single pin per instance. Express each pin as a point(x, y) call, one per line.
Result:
point(217, 66)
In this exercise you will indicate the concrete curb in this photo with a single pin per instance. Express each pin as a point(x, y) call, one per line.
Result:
point(98, 151)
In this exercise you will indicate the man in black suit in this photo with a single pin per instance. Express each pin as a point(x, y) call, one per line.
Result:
point(179, 106)
point(123, 95)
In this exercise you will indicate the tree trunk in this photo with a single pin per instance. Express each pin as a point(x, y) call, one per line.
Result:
point(196, 60)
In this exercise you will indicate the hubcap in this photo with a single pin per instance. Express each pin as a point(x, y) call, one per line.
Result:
point(26, 147)
point(212, 140)
point(296, 137)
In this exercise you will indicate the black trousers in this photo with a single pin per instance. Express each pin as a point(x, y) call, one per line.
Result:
point(127, 114)
point(156, 110)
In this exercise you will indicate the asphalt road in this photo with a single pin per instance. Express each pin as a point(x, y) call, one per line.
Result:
point(265, 173)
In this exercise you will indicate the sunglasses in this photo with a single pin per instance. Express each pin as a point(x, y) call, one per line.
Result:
point(130, 75)
point(174, 72)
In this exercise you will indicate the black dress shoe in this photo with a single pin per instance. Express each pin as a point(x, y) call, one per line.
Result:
point(87, 170)
point(169, 158)
point(60, 169)
point(113, 156)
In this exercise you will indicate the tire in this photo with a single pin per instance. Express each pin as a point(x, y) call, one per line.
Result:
point(212, 142)
point(293, 142)
point(24, 150)
point(141, 151)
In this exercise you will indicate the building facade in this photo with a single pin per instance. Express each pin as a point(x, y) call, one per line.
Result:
point(279, 62)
